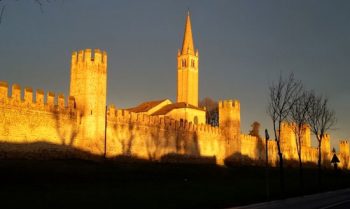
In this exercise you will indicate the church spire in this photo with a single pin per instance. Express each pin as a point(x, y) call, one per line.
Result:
point(187, 44)
point(187, 68)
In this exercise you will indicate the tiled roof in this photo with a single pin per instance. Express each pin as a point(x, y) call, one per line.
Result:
point(144, 107)
point(169, 107)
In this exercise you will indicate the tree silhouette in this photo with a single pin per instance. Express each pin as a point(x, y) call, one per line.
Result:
point(4, 4)
point(255, 130)
point(282, 96)
point(298, 120)
point(212, 111)
point(321, 119)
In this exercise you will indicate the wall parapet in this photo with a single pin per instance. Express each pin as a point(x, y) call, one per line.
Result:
point(229, 104)
point(163, 122)
point(14, 99)
point(86, 56)
point(344, 147)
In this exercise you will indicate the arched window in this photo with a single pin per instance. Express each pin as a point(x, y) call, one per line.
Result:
point(183, 63)
point(192, 63)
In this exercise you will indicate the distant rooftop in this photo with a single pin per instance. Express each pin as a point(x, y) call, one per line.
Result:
point(169, 107)
point(145, 106)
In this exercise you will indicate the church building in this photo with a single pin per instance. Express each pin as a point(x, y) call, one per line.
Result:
point(186, 106)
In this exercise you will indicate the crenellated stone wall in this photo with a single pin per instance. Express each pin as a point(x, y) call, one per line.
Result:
point(82, 121)
point(44, 118)
point(152, 137)
point(55, 119)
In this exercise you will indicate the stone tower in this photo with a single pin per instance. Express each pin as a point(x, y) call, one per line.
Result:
point(344, 147)
point(89, 87)
point(326, 149)
point(230, 124)
point(306, 137)
point(187, 68)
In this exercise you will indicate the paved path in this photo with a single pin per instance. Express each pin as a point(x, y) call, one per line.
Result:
point(330, 200)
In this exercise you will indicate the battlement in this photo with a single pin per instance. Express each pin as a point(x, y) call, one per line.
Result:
point(249, 138)
point(224, 104)
point(124, 116)
point(343, 142)
point(230, 116)
point(3, 91)
point(287, 126)
point(344, 147)
point(86, 56)
point(15, 99)
point(326, 137)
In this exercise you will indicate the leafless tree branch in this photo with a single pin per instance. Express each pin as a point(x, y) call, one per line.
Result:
point(298, 121)
point(2, 12)
point(282, 97)
point(212, 112)
point(321, 119)
point(40, 3)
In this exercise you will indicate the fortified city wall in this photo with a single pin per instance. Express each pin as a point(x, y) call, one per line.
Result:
point(50, 118)
point(152, 137)
point(79, 121)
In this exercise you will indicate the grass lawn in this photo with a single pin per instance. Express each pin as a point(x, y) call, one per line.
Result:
point(87, 184)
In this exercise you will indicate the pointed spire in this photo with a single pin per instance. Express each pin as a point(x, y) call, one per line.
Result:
point(187, 44)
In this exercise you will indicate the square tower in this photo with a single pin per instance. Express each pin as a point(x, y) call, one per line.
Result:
point(88, 85)
point(230, 125)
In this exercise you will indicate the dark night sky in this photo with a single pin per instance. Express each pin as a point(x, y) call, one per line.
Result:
point(243, 47)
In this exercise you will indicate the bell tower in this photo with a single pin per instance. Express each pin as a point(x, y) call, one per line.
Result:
point(187, 68)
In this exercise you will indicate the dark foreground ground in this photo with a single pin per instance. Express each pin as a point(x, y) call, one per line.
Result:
point(338, 199)
point(86, 184)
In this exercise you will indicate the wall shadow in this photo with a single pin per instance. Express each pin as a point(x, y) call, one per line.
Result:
point(43, 151)
point(49, 151)
point(239, 160)
point(152, 141)
point(187, 159)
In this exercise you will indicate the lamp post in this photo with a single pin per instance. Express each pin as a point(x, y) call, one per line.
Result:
point(267, 137)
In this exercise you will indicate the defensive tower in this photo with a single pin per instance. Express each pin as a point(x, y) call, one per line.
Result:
point(344, 147)
point(230, 123)
point(88, 85)
point(187, 68)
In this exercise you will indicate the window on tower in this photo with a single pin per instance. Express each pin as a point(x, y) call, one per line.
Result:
point(183, 63)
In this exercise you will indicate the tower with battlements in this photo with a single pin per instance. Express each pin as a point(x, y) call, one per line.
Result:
point(187, 68)
point(344, 147)
point(230, 123)
point(88, 85)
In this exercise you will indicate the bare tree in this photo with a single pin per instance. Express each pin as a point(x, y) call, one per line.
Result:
point(282, 96)
point(2, 11)
point(4, 3)
point(321, 119)
point(212, 112)
point(298, 120)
